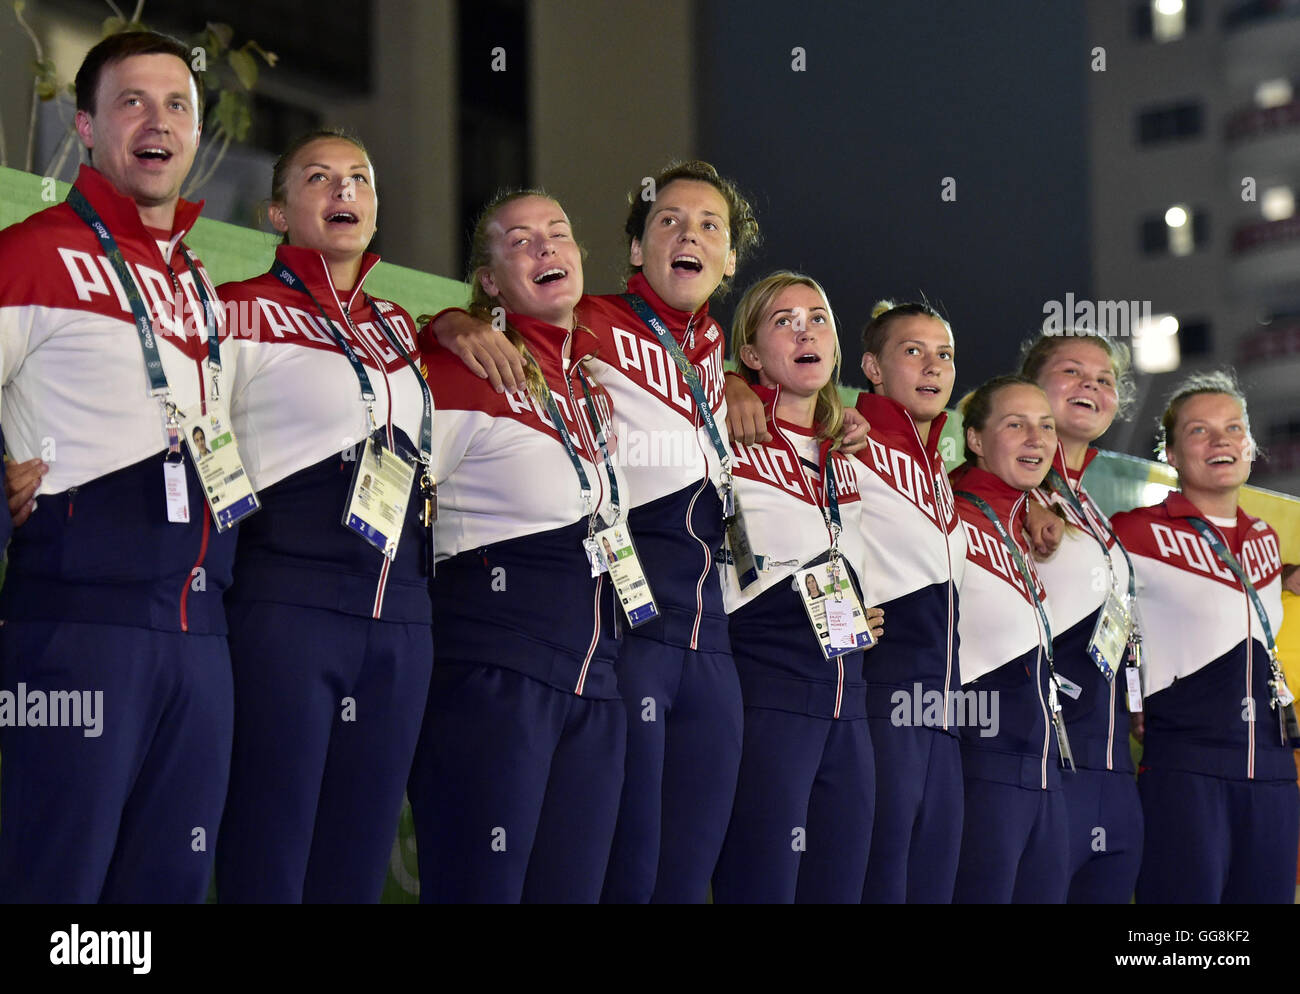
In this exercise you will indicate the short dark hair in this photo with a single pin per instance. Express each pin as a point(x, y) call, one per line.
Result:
point(743, 224)
point(121, 46)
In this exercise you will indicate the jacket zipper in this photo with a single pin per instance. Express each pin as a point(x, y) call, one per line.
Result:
point(203, 551)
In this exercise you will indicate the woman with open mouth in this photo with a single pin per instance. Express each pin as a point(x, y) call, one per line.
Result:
point(801, 825)
point(516, 781)
point(1087, 381)
point(1014, 831)
point(1217, 775)
point(329, 614)
point(916, 554)
point(659, 355)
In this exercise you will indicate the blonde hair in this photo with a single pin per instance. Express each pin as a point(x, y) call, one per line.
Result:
point(1215, 381)
point(484, 306)
point(828, 413)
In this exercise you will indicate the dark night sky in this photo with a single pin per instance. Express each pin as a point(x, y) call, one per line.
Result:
point(844, 161)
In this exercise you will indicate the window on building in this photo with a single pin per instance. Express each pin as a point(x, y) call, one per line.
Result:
point(1273, 93)
point(1179, 230)
point(1165, 20)
point(1170, 122)
point(1277, 203)
point(1156, 348)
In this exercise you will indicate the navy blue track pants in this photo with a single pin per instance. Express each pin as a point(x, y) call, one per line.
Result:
point(916, 836)
point(1216, 841)
point(515, 788)
point(1105, 835)
point(1013, 845)
point(801, 826)
point(130, 814)
point(684, 721)
point(327, 711)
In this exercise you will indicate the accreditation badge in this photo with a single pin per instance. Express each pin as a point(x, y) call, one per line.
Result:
point(615, 546)
point(380, 492)
point(1110, 636)
point(839, 622)
point(215, 451)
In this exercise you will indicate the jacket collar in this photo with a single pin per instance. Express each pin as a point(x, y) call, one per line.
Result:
point(310, 266)
point(1058, 462)
point(675, 320)
point(120, 213)
point(1178, 506)
point(998, 494)
point(889, 420)
point(546, 341)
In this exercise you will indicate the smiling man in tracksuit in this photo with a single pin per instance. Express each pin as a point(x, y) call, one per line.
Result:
point(114, 588)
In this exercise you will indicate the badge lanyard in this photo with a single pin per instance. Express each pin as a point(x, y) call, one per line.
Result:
point(1228, 559)
point(588, 507)
point(158, 386)
point(1060, 485)
point(290, 279)
point(692, 377)
point(827, 502)
point(598, 431)
point(1027, 577)
point(428, 488)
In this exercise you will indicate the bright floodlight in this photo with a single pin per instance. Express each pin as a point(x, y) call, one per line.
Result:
point(1176, 217)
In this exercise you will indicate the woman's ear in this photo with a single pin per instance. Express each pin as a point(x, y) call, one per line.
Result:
point(871, 369)
point(488, 284)
point(974, 442)
point(749, 356)
point(275, 214)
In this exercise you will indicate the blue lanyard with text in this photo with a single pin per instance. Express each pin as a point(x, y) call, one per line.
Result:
point(1228, 559)
point(692, 377)
point(1019, 561)
point(143, 322)
point(1059, 484)
point(290, 279)
point(599, 432)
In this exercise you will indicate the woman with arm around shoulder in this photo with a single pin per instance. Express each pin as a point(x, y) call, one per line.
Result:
point(329, 622)
point(515, 786)
point(675, 669)
point(1014, 834)
point(1217, 778)
point(1086, 379)
point(801, 825)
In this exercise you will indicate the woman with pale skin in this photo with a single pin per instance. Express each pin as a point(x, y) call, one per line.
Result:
point(800, 828)
point(1086, 380)
point(516, 781)
point(329, 635)
point(1014, 832)
point(1217, 777)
